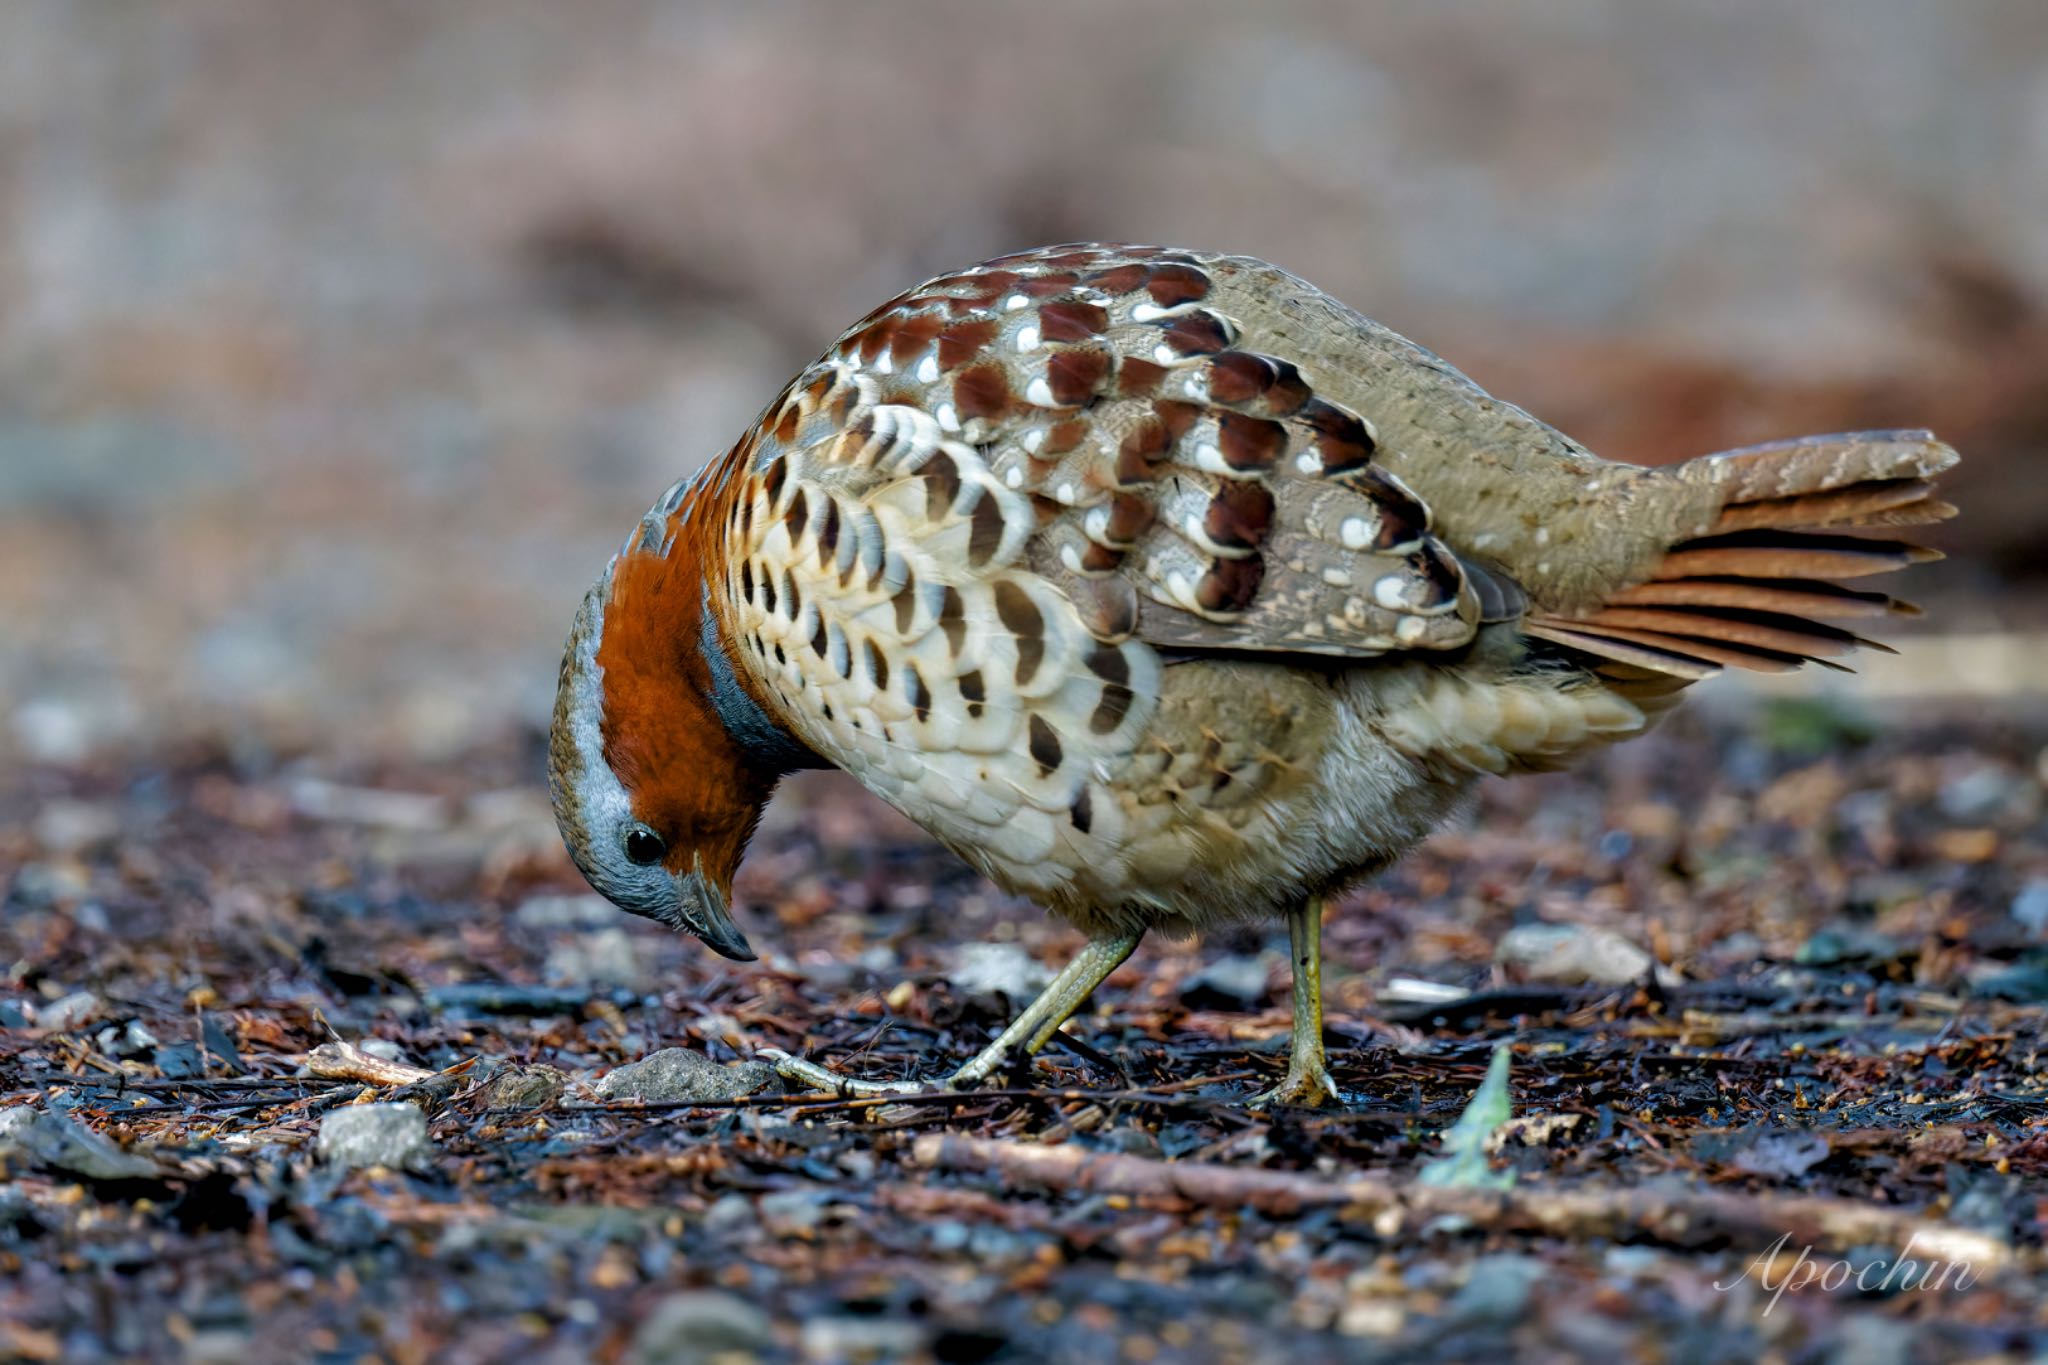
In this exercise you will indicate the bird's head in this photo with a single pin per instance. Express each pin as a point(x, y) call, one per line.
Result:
point(654, 792)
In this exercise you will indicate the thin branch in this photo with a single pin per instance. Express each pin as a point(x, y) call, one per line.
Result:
point(1397, 1209)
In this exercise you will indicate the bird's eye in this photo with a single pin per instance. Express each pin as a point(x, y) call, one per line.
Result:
point(644, 846)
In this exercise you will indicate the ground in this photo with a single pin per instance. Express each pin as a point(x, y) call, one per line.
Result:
point(1816, 937)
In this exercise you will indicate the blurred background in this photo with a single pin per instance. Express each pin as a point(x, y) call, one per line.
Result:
point(340, 344)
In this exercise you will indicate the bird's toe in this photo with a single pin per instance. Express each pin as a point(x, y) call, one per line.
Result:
point(1301, 1089)
point(814, 1077)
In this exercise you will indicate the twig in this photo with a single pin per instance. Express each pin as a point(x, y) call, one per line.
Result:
point(1694, 1025)
point(805, 1106)
point(204, 1083)
point(347, 1062)
point(1683, 1218)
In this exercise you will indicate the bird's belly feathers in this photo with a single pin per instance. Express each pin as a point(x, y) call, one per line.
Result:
point(1254, 784)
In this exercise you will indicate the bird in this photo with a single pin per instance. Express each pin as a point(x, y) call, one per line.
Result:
point(1171, 593)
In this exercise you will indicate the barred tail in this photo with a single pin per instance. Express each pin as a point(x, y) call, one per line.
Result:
point(1743, 595)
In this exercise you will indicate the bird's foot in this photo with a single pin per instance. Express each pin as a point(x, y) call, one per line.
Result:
point(1304, 1087)
point(1027, 1033)
point(814, 1077)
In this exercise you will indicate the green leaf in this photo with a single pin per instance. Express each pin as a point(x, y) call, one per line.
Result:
point(1464, 1162)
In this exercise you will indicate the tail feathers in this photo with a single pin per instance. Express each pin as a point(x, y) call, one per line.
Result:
point(1788, 554)
point(1881, 502)
point(1742, 592)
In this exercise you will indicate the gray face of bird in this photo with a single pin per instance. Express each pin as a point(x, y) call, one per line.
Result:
point(637, 867)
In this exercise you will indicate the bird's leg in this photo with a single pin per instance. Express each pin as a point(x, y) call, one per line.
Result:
point(1307, 1082)
point(1056, 1004)
point(1030, 1030)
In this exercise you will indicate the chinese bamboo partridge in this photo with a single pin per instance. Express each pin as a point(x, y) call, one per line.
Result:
point(1168, 590)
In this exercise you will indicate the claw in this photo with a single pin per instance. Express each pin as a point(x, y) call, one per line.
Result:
point(1301, 1090)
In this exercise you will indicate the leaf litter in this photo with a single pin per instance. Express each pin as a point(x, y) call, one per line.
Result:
point(305, 1060)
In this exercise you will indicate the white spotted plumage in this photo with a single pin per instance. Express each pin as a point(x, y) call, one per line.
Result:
point(992, 539)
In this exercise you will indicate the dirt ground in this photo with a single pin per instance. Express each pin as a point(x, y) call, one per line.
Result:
point(1849, 1058)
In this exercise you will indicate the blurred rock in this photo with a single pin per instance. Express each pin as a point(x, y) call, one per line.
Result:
point(1872, 1340)
point(2030, 906)
point(699, 1327)
point(795, 1213)
point(525, 1087)
point(69, 1012)
point(1234, 981)
point(364, 1135)
point(31, 1137)
point(74, 827)
point(730, 1215)
point(863, 1338)
point(54, 881)
point(1980, 793)
point(1782, 1154)
point(1131, 1140)
point(590, 911)
point(67, 730)
point(320, 800)
point(1841, 944)
point(1497, 1288)
point(2023, 983)
point(601, 957)
point(129, 1040)
point(1572, 955)
point(997, 969)
point(506, 997)
point(676, 1073)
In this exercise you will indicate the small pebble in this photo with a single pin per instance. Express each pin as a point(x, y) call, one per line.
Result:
point(36, 1138)
point(1232, 982)
point(700, 1326)
point(74, 827)
point(676, 1073)
point(997, 969)
point(1572, 955)
point(69, 1012)
point(601, 957)
point(361, 1135)
point(525, 1087)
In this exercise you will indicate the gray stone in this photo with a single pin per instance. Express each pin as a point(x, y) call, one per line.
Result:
point(1132, 1140)
point(1233, 981)
point(1497, 1289)
point(393, 1135)
point(525, 1087)
point(863, 1338)
point(728, 1215)
point(2030, 906)
point(676, 1073)
point(79, 1007)
point(128, 1040)
point(31, 1137)
point(588, 911)
point(794, 1213)
point(1978, 794)
point(1572, 955)
point(998, 969)
point(700, 1325)
point(73, 827)
point(603, 957)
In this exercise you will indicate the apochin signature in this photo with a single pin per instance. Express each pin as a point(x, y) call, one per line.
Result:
point(1896, 1275)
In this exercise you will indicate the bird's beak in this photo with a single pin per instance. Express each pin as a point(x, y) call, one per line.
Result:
point(706, 913)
